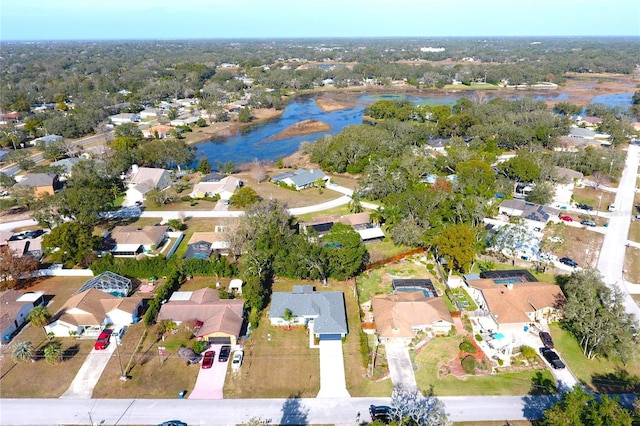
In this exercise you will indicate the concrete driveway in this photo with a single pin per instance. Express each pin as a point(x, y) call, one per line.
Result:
point(210, 381)
point(90, 372)
point(400, 366)
point(332, 381)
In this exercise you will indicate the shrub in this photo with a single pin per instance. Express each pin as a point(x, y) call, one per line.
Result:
point(199, 346)
point(467, 347)
point(500, 362)
point(186, 198)
point(469, 364)
point(478, 338)
point(430, 267)
point(528, 352)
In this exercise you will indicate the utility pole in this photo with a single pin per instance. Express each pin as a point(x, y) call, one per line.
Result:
point(123, 376)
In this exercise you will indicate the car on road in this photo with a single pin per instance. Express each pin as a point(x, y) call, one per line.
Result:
point(103, 340)
point(588, 223)
point(381, 412)
point(569, 262)
point(236, 360)
point(223, 356)
point(566, 218)
point(209, 357)
point(586, 207)
point(547, 341)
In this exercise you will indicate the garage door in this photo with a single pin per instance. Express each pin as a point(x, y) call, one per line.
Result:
point(219, 340)
point(330, 337)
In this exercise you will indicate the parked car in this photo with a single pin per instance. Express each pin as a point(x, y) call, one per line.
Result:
point(588, 223)
point(546, 339)
point(118, 335)
point(612, 207)
point(173, 423)
point(103, 340)
point(189, 356)
point(236, 360)
point(34, 234)
point(569, 262)
point(552, 358)
point(566, 218)
point(381, 412)
point(224, 353)
point(209, 357)
point(586, 207)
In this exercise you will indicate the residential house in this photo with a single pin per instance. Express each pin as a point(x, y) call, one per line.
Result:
point(67, 165)
point(45, 140)
point(124, 117)
point(202, 244)
point(159, 132)
point(89, 312)
point(224, 188)
point(129, 241)
point(588, 121)
point(323, 312)
point(16, 307)
point(108, 282)
point(568, 175)
point(360, 222)
point(143, 180)
point(580, 132)
point(403, 314)
point(150, 113)
point(534, 215)
point(513, 303)
point(184, 121)
point(221, 319)
point(43, 183)
point(301, 178)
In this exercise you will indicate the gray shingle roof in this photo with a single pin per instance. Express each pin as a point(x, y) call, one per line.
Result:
point(327, 308)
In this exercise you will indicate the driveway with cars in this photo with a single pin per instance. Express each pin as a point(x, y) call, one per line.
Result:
point(210, 381)
point(400, 366)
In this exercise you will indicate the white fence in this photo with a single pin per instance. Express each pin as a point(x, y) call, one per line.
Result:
point(64, 273)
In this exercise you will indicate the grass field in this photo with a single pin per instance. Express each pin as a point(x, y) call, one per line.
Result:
point(590, 196)
point(600, 374)
point(632, 265)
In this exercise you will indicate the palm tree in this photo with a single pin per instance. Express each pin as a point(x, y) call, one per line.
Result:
point(22, 351)
point(53, 353)
point(288, 316)
point(39, 317)
point(377, 216)
point(355, 206)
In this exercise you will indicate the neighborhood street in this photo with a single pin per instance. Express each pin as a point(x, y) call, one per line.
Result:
point(612, 253)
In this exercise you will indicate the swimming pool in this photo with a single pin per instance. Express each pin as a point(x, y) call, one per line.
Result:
point(507, 280)
point(498, 336)
point(426, 293)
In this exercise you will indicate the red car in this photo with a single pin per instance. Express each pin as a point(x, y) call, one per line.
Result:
point(207, 361)
point(566, 218)
point(103, 340)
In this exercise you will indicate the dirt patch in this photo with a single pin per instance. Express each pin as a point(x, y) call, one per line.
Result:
point(632, 267)
point(329, 105)
point(306, 127)
point(582, 88)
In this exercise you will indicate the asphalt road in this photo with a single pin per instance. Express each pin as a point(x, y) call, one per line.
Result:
point(237, 411)
point(612, 253)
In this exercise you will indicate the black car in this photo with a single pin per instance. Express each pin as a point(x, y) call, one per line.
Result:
point(552, 358)
point(569, 262)
point(584, 207)
point(381, 412)
point(224, 353)
point(546, 339)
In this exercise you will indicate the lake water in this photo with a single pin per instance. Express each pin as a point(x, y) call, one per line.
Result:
point(254, 142)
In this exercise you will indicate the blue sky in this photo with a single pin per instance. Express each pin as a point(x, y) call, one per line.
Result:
point(185, 19)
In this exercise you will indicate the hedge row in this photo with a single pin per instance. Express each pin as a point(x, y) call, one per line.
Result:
point(174, 279)
point(160, 267)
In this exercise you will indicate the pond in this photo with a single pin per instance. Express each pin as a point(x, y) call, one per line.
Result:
point(254, 143)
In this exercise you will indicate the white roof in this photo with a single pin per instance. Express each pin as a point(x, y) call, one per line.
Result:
point(180, 296)
point(30, 297)
point(126, 247)
point(370, 233)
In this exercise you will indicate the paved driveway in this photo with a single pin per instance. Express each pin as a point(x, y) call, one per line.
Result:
point(210, 380)
point(90, 372)
point(400, 366)
point(332, 380)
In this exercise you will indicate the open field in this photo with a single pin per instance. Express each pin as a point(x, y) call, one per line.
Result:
point(579, 244)
point(588, 195)
point(632, 266)
point(600, 374)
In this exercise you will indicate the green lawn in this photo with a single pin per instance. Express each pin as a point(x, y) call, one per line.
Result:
point(600, 374)
point(443, 349)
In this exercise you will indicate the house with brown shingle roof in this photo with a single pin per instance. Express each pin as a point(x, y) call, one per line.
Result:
point(14, 310)
point(512, 306)
point(144, 179)
point(221, 318)
point(89, 312)
point(224, 188)
point(402, 314)
point(131, 240)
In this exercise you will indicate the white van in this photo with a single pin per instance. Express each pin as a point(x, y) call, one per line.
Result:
point(612, 208)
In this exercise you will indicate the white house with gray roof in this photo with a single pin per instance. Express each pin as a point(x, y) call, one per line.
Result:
point(323, 312)
point(301, 178)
